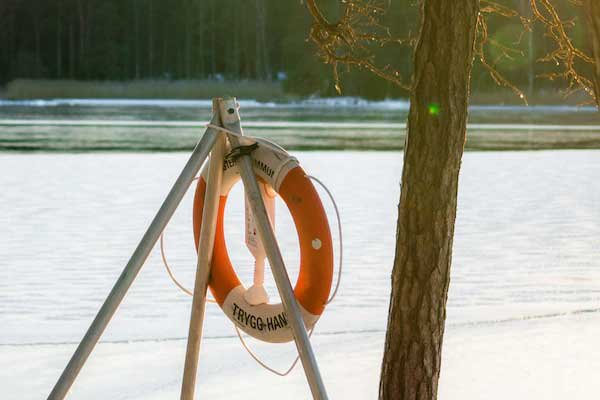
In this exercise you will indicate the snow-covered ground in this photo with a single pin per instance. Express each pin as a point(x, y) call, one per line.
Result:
point(523, 318)
point(548, 358)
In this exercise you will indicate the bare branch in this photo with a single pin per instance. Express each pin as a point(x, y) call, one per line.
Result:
point(350, 40)
point(482, 40)
point(566, 55)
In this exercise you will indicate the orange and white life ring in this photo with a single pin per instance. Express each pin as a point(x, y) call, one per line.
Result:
point(282, 172)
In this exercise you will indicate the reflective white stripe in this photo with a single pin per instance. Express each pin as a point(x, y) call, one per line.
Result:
point(266, 322)
point(271, 164)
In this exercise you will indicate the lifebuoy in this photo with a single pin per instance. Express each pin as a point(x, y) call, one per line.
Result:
point(268, 322)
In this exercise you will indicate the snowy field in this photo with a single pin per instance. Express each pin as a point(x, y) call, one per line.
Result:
point(557, 358)
point(523, 309)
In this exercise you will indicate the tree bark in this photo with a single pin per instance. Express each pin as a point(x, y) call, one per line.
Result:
point(592, 10)
point(81, 16)
point(136, 39)
point(58, 40)
point(150, 68)
point(71, 52)
point(213, 39)
point(261, 57)
point(201, 26)
point(188, 25)
point(427, 210)
point(38, 53)
point(232, 52)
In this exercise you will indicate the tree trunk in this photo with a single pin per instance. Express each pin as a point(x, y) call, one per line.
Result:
point(82, 60)
point(427, 210)
point(261, 58)
point(58, 41)
point(71, 52)
point(201, 26)
point(213, 39)
point(150, 68)
point(234, 57)
point(592, 10)
point(38, 50)
point(165, 66)
point(136, 38)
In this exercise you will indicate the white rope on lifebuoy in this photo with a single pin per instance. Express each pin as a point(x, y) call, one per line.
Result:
point(168, 268)
point(225, 130)
point(339, 224)
point(261, 362)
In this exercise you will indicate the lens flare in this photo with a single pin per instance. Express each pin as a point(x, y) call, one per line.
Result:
point(434, 109)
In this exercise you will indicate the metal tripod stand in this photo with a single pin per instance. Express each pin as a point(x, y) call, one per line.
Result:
point(226, 116)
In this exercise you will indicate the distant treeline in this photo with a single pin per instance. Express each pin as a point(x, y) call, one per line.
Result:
point(223, 40)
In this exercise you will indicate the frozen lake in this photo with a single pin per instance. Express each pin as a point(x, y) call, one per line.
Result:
point(526, 251)
point(527, 240)
point(318, 124)
point(81, 180)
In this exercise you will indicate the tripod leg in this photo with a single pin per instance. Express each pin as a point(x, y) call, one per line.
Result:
point(230, 119)
point(205, 250)
point(134, 265)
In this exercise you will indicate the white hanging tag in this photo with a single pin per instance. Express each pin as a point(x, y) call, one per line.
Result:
point(257, 294)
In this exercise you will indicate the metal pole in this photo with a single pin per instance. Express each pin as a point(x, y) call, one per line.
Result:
point(230, 119)
point(135, 263)
point(206, 242)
